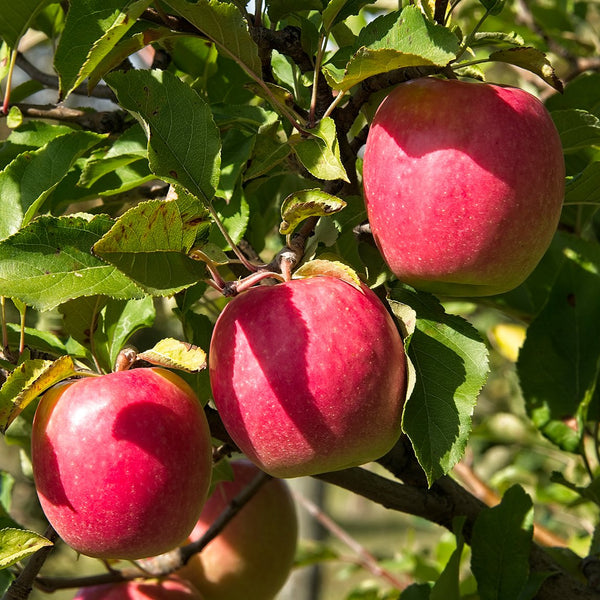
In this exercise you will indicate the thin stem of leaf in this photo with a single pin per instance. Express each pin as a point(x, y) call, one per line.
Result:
point(9, 77)
point(250, 266)
point(453, 5)
point(93, 325)
point(469, 39)
point(335, 102)
point(22, 330)
point(318, 60)
point(3, 317)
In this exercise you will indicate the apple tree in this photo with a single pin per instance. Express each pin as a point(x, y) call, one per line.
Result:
point(181, 186)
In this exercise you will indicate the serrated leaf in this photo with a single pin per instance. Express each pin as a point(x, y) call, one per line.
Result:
point(307, 203)
point(30, 178)
point(451, 363)
point(559, 362)
point(396, 40)
point(17, 17)
point(27, 382)
point(500, 546)
point(268, 152)
point(86, 41)
point(183, 140)
point(320, 152)
point(17, 544)
point(50, 261)
point(319, 267)
point(495, 37)
point(224, 25)
point(532, 60)
point(577, 128)
point(175, 354)
point(151, 241)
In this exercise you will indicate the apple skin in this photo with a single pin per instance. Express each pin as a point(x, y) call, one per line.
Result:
point(464, 184)
point(253, 555)
point(122, 462)
point(308, 376)
point(172, 588)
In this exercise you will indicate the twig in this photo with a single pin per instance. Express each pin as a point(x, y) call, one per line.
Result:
point(21, 587)
point(51, 81)
point(162, 565)
point(98, 121)
point(365, 558)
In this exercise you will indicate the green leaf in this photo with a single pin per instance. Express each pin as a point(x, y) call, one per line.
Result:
point(269, 151)
point(50, 261)
point(223, 24)
point(307, 203)
point(447, 587)
point(16, 18)
point(500, 546)
point(86, 40)
point(493, 7)
point(30, 178)
point(417, 591)
point(234, 216)
point(394, 41)
point(7, 482)
point(30, 379)
point(339, 10)
point(17, 544)
point(483, 38)
point(151, 241)
point(451, 364)
point(320, 153)
point(174, 354)
point(584, 188)
point(183, 141)
point(577, 128)
point(236, 151)
point(559, 362)
point(105, 325)
point(532, 60)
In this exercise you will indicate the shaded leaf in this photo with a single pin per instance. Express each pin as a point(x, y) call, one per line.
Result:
point(223, 24)
point(532, 60)
point(584, 188)
point(337, 11)
point(500, 546)
point(27, 382)
point(493, 7)
point(559, 362)
point(175, 354)
point(447, 587)
point(17, 17)
point(50, 261)
point(451, 363)
point(577, 128)
point(307, 203)
point(183, 141)
point(17, 544)
point(30, 178)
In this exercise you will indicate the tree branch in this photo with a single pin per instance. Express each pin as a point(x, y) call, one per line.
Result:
point(51, 81)
point(111, 121)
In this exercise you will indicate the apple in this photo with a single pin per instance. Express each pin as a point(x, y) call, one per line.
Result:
point(463, 184)
point(308, 376)
point(253, 555)
point(172, 588)
point(122, 462)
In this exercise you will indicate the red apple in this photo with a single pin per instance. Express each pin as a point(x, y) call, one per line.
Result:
point(464, 184)
point(253, 555)
point(122, 462)
point(308, 376)
point(172, 588)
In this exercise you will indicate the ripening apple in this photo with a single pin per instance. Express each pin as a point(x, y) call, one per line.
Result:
point(308, 376)
point(464, 184)
point(172, 588)
point(122, 462)
point(253, 555)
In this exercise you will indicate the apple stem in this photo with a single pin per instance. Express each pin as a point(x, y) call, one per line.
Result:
point(233, 288)
point(125, 359)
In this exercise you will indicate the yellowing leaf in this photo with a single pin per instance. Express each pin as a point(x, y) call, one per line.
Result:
point(175, 354)
point(17, 544)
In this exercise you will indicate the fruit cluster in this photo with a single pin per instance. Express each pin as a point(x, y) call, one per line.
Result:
point(309, 375)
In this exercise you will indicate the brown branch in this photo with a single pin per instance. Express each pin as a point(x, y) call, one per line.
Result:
point(99, 121)
point(51, 81)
